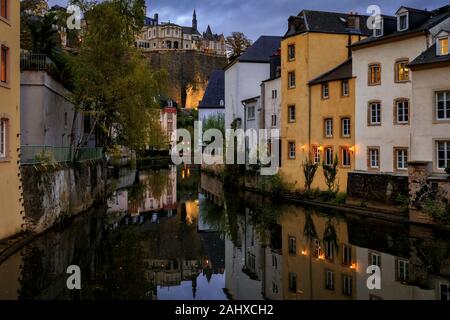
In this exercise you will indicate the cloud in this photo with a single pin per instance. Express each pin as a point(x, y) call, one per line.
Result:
point(261, 17)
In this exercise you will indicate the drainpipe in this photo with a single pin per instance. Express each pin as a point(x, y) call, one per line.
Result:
point(309, 119)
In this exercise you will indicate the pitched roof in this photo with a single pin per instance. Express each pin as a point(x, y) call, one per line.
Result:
point(342, 71)
point(215, 91)
point(429, 57)
point(325, 22)
point(189, 30)
point(261, 49)
point(435, 17)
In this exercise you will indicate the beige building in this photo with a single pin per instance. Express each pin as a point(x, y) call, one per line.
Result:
point(11, 209)
point(430, 130)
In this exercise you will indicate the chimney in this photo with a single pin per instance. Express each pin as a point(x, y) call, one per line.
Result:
point(354, 21)
point(156, 17)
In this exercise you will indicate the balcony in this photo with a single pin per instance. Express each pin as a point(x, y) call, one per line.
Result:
point(34, 62)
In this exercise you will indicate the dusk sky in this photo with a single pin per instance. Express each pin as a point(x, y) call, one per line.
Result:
point(261, 17)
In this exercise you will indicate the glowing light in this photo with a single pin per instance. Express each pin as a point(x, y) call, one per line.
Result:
point(352, 149)
point(303, 147)
point(353, 266)
point(320, 148)
point(304, 253)
point(322, 257)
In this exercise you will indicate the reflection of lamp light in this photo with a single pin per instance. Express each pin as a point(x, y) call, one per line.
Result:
point(182, 174)
point(322, 257)
point(353, 266)
point(351, 149)
point(304, 253)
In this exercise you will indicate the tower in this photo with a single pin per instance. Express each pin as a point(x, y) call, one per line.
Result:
point(194, 21)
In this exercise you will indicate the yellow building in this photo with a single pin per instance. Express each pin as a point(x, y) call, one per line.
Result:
point(332, 127)
point(10, 187)
point(315, 43)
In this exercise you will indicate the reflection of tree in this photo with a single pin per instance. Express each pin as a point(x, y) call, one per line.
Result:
point(213, 215)
point(309, 230)
point(157, 182)
point(330, 234)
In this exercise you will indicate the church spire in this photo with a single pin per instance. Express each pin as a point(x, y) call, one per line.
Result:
point(194, 21)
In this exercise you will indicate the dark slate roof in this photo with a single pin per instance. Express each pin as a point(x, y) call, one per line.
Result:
point(342, 71)
point(190, 30)
point(325, 22)
point(215, 91)
point(149, 21)
point(429, 56)
point(261, 49)
point(435, 17)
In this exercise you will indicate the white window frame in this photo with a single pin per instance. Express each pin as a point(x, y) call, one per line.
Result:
point(380, 29)
point(292, 244)
point(405, 111)
point(375, 259)
point(446, 150)
point(291, 53)
point(329, 250)
point(346, 157)
point(317, 156)
point(345, 88)
point(291, 151)
point(292, 116)
point(401, 15)
point(446, 97)
point(347, 285)
point(329, 128)
point(403, 275)
point(347, 258)
point(374, 158)
point(291, 79)
point(325, 91)
point(439, 46)
point(329, 280)
point(375, 112)
point(403, 155)
point(346, 127)
point(328, 156)
point(251, 113)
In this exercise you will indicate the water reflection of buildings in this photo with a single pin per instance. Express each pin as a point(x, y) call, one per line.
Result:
point(304, 254)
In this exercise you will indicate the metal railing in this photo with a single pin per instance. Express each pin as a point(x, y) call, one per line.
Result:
point(34, 62)
point(48, 154)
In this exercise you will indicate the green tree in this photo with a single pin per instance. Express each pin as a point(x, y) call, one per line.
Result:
point(309, 171)
point(330, 172)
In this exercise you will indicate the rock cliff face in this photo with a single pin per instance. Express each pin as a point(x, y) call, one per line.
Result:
point(189, 73)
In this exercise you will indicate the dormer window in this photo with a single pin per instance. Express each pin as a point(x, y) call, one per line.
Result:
point(402, 21)
point(442, 46)
point(378, 28)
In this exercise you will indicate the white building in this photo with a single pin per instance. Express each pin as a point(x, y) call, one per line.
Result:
point(384, 98)
point(243, 77)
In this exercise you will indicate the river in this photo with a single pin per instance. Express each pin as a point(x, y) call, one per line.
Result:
point(173, 234)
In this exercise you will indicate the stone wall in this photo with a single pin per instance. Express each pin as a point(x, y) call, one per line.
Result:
point(53, 194)
point(376, 189)
point(189, 72)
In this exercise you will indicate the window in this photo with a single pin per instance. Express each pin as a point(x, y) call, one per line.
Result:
point(402, 22)
point(374, 158)
point(329, 280)
point(274, 94)
point(292, 245)
point(374, 259)
point(374, 74)
point(291, 150)
point(291, 52)
point(4, 64)
point(401, 71)
point(274, 287)
point(274, 262)
point(401, 158)
point(251, 261)
point(4, 9)
point(443, 105)
point(317, 251)
point(345, 88)
point(328, 156)
point(329, 250)
point(378, 28)
point(402, 270)
point(345, 127)
point(291, 113)
point(316, 154)
point(65, 119)
point(325, 91)
point(274, 120)
point(402, 111)
point(347, 255)
point(293, 282)
point(347, 286)
point(346, 157)
point(250, 112)
point(328, 125)
point(444, 290)
point(375, 113)
point(443, 154)
point(291, 80)
point(3, 140)
point(442, 47)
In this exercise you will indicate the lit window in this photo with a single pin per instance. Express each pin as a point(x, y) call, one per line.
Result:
point(401, 71)
point(291, 80)
point(328, 125)
point(375, 113)
point(316, 153)
point(443, 154)
point(402, 111)
point(346, 158)
point(3, 133)
point(374, 74)
point(403, 270)
point(442, 47)
point(374, 158)
point(328, 156)
point(325, 91)
point(291, 113)
point(291, 52)
point(345, 127)
point(345, 88)
point(443, 105)
point(292, 245)
point(329, 280)
point(291, 149)
point(4, 64)
point(401, 159)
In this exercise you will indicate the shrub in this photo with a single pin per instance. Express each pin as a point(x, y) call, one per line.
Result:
point(402, 202)
point(309, 171)
point(438, 210)
point(330, 172)
point(340, 198)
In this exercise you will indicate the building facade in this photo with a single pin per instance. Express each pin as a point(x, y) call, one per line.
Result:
point(213, 102)
point(157, 35)
point(315, 43)
point(11, 209)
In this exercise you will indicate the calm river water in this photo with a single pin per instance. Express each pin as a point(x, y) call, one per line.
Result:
point(173, 234)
